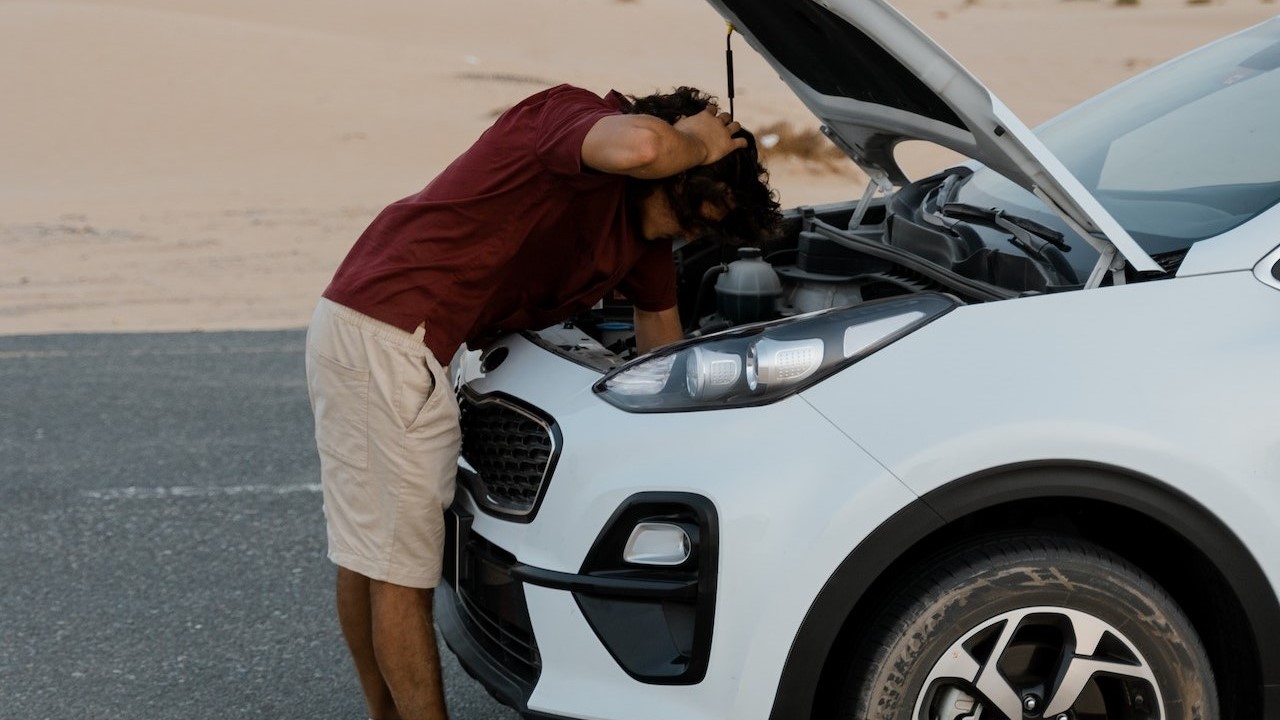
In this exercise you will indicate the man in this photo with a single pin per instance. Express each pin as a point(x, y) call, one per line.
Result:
point(567, 197)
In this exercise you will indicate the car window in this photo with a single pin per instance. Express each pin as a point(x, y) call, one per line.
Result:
point(1185, 152)
point(1230, 137)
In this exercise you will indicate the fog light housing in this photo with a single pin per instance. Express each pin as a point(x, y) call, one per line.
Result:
point(657, 544)
point(652, 610)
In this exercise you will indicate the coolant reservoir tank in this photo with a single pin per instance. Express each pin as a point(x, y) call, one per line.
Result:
point(748, 291)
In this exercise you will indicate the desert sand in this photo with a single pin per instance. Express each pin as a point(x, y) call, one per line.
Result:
point(205, 164)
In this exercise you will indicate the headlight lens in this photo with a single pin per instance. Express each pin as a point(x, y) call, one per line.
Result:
point(772, 362)
point(761, 363)
point(711, 374)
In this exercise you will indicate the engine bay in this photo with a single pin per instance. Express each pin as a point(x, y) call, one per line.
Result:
point(920, 238)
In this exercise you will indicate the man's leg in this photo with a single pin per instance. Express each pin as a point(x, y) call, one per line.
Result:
point(356, 619)
point(388, 436)
point(404, 641)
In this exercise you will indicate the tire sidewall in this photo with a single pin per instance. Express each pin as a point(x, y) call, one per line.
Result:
point(1113, 593)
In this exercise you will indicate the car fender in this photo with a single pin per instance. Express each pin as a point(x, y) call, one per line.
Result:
point(869, 562)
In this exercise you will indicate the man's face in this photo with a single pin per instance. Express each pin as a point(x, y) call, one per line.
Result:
point(659, 220)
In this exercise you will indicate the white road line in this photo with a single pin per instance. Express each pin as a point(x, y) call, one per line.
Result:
point(213, 350)
point(152, 493)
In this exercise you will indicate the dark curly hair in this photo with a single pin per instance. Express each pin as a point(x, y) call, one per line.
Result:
point(737, 183)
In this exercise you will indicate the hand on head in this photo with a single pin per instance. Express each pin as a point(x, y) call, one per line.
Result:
point(715, 130)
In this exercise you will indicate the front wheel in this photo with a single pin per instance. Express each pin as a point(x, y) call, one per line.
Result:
point(1028, 628)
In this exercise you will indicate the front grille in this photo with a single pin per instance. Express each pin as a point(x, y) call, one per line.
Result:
point(509, 451)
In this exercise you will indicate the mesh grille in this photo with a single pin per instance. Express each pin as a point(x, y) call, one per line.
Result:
point(495, 607)
point(511, 449)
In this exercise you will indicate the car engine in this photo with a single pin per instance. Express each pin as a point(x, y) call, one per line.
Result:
point(918, 238)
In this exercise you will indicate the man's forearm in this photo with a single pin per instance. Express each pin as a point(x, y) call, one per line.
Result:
point(646, 147)
point(655, 329)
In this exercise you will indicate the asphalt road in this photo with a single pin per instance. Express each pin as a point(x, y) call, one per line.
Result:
point(161, 542)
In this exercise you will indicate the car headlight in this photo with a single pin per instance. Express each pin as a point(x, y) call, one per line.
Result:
point(765, 362)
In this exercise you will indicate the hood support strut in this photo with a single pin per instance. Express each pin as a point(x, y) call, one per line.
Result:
point(1109, 258)
point(878, 179)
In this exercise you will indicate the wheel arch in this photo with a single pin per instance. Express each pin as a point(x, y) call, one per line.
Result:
point(1169, 535)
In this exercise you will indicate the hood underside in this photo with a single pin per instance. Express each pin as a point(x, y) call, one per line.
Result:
point(875, 80)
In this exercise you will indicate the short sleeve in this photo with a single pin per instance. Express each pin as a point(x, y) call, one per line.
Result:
point(568, 113)
point(651, 283)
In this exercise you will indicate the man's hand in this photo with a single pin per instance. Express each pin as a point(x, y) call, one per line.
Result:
point(647, 147)
point(714, 129)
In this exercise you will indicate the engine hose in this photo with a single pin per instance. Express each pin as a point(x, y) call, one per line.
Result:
point(708, 276)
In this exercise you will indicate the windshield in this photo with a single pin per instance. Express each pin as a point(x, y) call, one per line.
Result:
point(1185, 152)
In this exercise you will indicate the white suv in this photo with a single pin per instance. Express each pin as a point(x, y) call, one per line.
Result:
point(1003, 442)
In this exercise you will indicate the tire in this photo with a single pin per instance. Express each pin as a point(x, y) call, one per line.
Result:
point(1033, 627)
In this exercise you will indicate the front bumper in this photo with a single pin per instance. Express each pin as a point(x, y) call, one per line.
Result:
point(784, 493)
point(479, 662)
point(655, 622)
point(483, 616)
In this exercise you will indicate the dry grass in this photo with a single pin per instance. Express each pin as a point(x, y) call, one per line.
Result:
point(782, 141)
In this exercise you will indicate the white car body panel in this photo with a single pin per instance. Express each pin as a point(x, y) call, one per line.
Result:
point(614, 455)
point(1237, 249)
point(1155, 422)
point(607, 461)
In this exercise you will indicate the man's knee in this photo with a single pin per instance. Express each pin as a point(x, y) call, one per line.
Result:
point(391, 594)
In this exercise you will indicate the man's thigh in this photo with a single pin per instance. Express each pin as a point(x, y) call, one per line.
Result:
point(388, 436)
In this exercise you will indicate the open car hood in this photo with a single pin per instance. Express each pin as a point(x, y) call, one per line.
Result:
point(874, 79)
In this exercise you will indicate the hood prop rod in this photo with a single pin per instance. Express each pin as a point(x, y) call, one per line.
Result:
point(728, 65)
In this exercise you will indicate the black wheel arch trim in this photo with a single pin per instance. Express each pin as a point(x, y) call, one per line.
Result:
point(803, 669)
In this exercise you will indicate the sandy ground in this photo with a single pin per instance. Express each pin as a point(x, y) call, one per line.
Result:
point(205, 164)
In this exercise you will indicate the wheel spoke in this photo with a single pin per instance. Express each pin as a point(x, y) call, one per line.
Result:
point(958, 664)
point(957, 673)
point(992, 684)
point(1082, 667)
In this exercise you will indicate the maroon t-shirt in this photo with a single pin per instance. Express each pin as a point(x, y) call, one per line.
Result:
point(516, 234)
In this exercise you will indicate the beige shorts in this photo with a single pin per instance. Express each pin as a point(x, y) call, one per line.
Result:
point(388, 435)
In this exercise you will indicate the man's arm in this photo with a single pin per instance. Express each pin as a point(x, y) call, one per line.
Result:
point(654, 329)
point(647, 147)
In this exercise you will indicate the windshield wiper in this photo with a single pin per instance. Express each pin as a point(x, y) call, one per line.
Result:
point(1025, 231)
